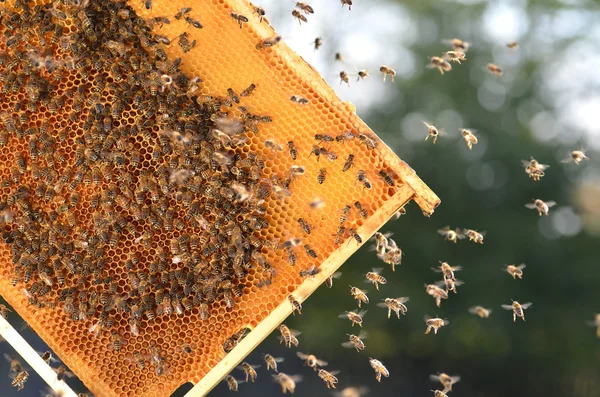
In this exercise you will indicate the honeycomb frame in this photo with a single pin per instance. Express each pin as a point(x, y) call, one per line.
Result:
point(284, 74)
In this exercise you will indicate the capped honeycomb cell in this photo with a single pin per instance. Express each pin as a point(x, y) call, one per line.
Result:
point(163, 185)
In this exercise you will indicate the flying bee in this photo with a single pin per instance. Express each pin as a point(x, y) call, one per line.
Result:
point(513, 45)
point(305, 7)
point(349, 163)
point(182, 12)
point(480, 311)
point(379, 368)
point(298, 15)
point(437, 293)
point(249, 370)
point(311, 360)
point(20, 380)
point(355, 318)
point(305, 226)
point(356, 341)
point(287, 382)
point(447, 270)
point(446, 380)
point(329, 378)
point(516, 271)
point(458, 45)
point(387, 178)
point(439, 393)
point(4, 311)
point(375, 278)
point(362, 74)
point(451, 235)
point(473, 235)
point(576, 156)
point(232, 383)
point(260, 12)
point(344, 78)
point(494, 69)
point(534, 169)
point(296, 305)
point(347, 3)
point(318, 42)
point(329, 280)
point(469, 137)
point(387, 71)
point(596, 324)
point(288, 336)
point(440, 64)
point(321, 175)
point(62, 371)
point(432, 132)
point(272, 362)
point(397, 305)
point(359, 295)
point(517, 309)
point(269, 42)
point(449, 284)
point(300, 100)
point(542, 207)
point(454, 56)
point(15, 365)
point(435, 324)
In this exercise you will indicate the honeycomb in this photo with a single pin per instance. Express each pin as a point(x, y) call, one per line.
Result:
point(149, 211)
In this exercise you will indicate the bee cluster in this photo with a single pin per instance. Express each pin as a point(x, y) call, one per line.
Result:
point(134, 205)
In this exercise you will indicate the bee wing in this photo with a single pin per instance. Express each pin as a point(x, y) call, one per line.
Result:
point(377, 270)
point(363, 334)
point(278, 359)
point(507, 307)
point(343, 315)
point(522, 266)
point(403, 299)
point(530, 205)
point(567, 160)
point(436, 269)
point(426, 317)
point(446, 322)
point(322, 363)
point(302, 356)
point(348, 345)
point(362, 313)
point(334, 372)
point(550, 203)
point(455, 379)
point(456, 268)
point(525, 163)
point(440, 283)
point(543, 166)
point(434, 378)
point(458, 282)
point(474, 309)
point(443, 231)
point(526, 305)
point(336, 275)
point(295, 332)
point(382, 304)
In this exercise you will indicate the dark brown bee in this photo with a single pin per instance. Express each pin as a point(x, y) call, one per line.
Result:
point(361, 210)
point(362, 74)
point(369, 142)
point(298, 15)
point(269, 42)
point(182, 12)
point(339, 57)
point(355, 235)
point(310, 272)
point(345, 213)
point(349, 163)
point(322, 175)
point(147, 4)
point(300, 100)
point(305, 7)
point(248, 91)
point(386, 177)
point(318, 43)
point(240, 20)
point(260, 12)
point(193, 22)
point(296, 306)
point(304, 225)
point(347, 3)
point(344, 78)
point(362, 178)
point(329, 280)
point(309, 251)
point(324, 137)
point(292, 149)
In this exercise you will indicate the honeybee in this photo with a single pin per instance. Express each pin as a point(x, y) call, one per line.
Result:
point(576, 156)
point(480, 311)
point(268, 42)
point(274, 146)
point(234, 339)
point(344, 78)
point(387, 71)
point(534, 169)
point(542, 207)
point(305, 226)
point(310, 272)
point(473, 235)
point(454, 56)
point(355, 318)
point(395, 304)
point(287, 382)
point(329, 377)
point(494, 69)
point(362, 74)
point(259, 11)
point(458, 45)
point(516, 271)
point(451, 235)
point(469, 138)
point(513, 45)
point(596, 324)
point(329, 280)
point(298, 15)
point(62, 371)
point(317, 204)
point(446, 380)
point(20, 380)
point(379, 368)
point(439, 393)
point(322, 175)
point(15, 365)
point(387, 178)
point(356, 341)
point(300, 100)
point(249, 370)
point(318, 42)
point(440, 64)
point(288, 336)
point(305, 7)
point(182, 12)
point(432, 132)
point(517, 309)
point(193, 22)
point(345, 136)
point(447, 270)
point(367, 141)
point(450, 284)
point(375, 278)
point(232, 383)
point(437, 293)
point(272, 362)
point(311, 360)
point(352, 392)
point(435, 324)
point(359, 295)
point(347, 3)
point(4, 311)
point(296, 305)
point(293, 150)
